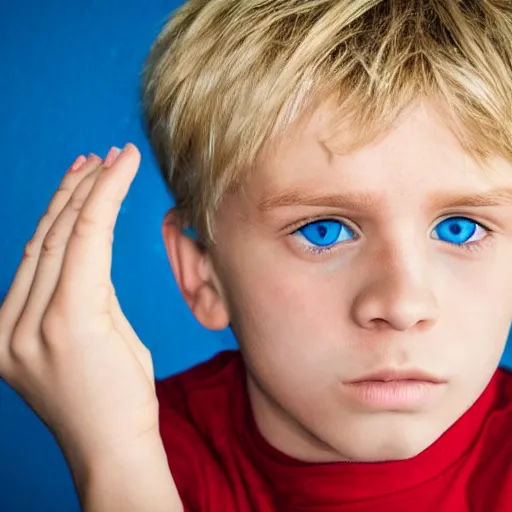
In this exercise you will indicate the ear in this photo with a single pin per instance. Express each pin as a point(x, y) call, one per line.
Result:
point(196, 277)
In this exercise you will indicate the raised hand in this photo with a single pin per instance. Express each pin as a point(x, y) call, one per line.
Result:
point(65, 346)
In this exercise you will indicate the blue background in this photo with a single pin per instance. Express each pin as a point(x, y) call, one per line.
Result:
point(69, 78)
point(69, 84)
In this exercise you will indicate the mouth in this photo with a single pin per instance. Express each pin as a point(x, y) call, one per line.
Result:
point(399, 376)
point(394, 390)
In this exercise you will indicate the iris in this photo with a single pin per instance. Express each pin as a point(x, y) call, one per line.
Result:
point(328, 232)
point(323, 233)
point(456, 230)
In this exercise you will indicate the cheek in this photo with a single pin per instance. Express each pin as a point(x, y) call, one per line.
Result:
point(285, 303)
point(290, 326)
point(475, 303)
point(478, 294)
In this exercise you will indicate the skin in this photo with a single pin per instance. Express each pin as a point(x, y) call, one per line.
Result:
point(394, 296)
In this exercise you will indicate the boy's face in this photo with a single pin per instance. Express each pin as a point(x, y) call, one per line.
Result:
point(405, 265)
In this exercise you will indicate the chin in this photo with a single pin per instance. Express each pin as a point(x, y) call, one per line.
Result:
point(392, 453)
point(383, 453)
point(376, 443)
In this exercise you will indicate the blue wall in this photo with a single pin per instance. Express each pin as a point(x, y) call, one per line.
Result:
point(68, 83)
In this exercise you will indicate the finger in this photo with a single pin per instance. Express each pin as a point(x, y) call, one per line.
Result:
point(51, 258)
point(53, 248)
point(20, 288)
point(88, 259)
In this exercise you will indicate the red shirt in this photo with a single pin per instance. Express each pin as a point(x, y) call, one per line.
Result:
point(221, 463)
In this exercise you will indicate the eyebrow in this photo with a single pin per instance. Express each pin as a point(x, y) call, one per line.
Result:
point(494, 197)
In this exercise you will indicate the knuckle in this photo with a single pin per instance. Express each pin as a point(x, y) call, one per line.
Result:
point(63, 313)
point(31, 249)
point(52, 324)
point(77, 201)
point(59, 307)
point(16, 352)
point(84, 226)
point(65, 189)
point(52, 243)
point(21, 347)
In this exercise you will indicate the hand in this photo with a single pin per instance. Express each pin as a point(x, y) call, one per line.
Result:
point(65, 346)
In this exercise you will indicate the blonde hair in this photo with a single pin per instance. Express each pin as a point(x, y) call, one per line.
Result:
point(226, 76)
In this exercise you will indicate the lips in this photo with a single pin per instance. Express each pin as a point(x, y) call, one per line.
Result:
point(394, 390)
point(396, 375)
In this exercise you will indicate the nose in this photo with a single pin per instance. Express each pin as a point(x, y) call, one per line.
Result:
point(396, 293)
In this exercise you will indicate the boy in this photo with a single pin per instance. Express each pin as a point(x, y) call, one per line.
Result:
point(347, 167)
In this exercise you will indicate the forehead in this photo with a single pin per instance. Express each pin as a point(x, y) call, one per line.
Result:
point(419, 149)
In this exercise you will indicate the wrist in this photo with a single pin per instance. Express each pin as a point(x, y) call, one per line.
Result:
point(87, 462)
point(137, 478)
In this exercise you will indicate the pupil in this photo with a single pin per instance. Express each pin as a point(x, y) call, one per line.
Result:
point(455, 229)
point(322, 231)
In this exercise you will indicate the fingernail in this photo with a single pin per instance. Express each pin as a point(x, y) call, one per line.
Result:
point(78, 163)
point(111, 156)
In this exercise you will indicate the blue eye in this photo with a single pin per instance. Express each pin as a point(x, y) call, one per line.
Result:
point(323, 233)
point(458, 230)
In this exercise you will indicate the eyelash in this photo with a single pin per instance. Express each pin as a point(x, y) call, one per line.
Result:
point(318, 250)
